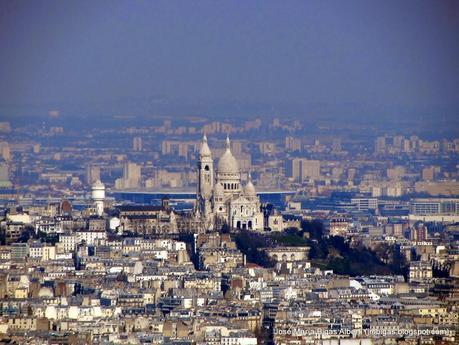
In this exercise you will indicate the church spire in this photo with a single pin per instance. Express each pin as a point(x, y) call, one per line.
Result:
point(205, 150)
point(228, 143)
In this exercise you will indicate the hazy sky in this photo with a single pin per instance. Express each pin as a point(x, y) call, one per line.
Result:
point(379, 53)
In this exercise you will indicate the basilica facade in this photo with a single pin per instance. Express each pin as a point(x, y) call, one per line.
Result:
point(221, 198)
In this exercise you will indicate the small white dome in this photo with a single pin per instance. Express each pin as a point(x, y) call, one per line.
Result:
point(249, 188)
point(227, 163)
point(205, 150)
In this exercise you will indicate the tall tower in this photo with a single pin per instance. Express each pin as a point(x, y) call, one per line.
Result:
point(98, 196)
point(205, 179)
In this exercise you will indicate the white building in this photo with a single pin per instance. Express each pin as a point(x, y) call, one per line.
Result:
point(420, 271)
point(98, 196)
point(42, 251)
point(223, 200)
point(67, 243)
point(90, 237)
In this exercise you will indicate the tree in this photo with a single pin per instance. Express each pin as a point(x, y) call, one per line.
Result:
point(252, 245)
point(315, 228)
point(384, 252)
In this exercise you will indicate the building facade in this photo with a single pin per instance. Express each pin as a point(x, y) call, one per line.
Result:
point(221, 198)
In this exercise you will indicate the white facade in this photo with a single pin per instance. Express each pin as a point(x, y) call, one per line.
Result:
point(222, 199)
point(48, 226)
point(90, 237)
point(68, 243)
point(19, 217)
point(42, 252)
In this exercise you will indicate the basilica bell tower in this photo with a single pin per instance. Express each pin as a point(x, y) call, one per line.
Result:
point(205, 180)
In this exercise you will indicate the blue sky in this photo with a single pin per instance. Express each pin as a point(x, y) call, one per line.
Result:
point(375, 53)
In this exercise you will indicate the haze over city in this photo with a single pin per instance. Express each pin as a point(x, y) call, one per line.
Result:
point(333, 58)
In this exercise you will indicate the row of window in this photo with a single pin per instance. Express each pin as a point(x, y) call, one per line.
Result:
point(230, 186)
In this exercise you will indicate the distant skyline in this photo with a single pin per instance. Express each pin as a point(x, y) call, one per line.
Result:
point(331, 57)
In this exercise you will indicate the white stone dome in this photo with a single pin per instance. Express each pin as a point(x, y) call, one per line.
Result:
point(227, 163)
point(249, 188)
